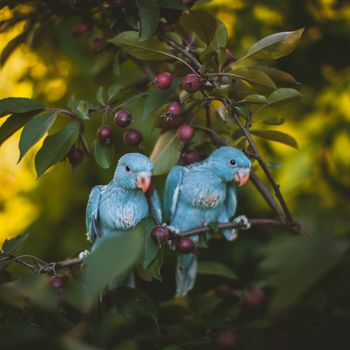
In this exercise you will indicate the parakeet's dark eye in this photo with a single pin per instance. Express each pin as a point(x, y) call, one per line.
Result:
point(127, 169)
point(233, 162)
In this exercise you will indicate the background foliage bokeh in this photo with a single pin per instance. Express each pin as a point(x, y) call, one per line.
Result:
point(314, 179)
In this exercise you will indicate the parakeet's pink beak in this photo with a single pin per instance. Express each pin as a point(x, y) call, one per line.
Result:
point(143, 181)
point(242, 176)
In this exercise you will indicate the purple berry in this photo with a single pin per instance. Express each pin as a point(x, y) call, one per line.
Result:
point(185, 132)
point(185, 245)
point(254, 298)
point(81, 28)
point(191, 82)
point(123, 118)
point(58, 281)
point(96, 45)
point(175, 108)
point(75, 156)
point(171, 121)
point(190, 156)
point(132, 137)
point(160, 234)
point(163, 80)
point(227, 339)
point(105, 133)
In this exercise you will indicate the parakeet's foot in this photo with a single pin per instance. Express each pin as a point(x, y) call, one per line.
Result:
point(84, 254)
point(243, 222)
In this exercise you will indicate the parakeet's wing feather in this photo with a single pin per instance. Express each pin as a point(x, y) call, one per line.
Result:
point(172, 190)
point(92, 213)
point(155, 207)
point(231, 200)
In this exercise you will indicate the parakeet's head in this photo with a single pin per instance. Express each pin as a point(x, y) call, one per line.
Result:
point(134, 171)
point(231, 164)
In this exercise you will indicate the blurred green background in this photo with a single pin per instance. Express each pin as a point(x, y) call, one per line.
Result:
point(314, 179)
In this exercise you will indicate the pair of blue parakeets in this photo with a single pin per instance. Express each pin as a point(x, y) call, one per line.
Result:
point(196, 195)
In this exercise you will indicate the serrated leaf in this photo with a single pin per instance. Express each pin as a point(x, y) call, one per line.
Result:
point(216, 269)
point(151, 49)
point(14, 123)
point(17, 105)
point(101, 95)
point(56, 147)
point(277, 136)
point(275, 45)
point(282, 96)
point(112, 257)
point(165, 153)
point(254, 77)
point(103, 154)
point(256, 99)
point(11, 245)
point(156, 98)
point(201, 23)
point(34, 130)
point(149, 16)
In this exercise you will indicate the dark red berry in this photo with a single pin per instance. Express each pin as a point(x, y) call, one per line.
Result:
point(58, 281)
point(160, 234)
point(185, 245)
point(185, 132)
point(227, 339)
point(105, 133)
point(123, 118)
point(254, 298)
point(191, 82)
point(223, 290)
point(96, 45)
point(171, 121)
point(75, 156)
point(81, 28)
point(132, 137)
point(189, 157)
point(163, 80)
point(174, 108)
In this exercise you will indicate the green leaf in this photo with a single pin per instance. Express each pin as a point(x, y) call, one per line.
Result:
point(101, 95)
point(270, 120)
point(151, 248)
point(256, 99)
point(282, 96)
point(151, 49)
point(157, 98)
point(201, 23)
point(291, 277)
point(14, 123)
point(35, 130)
point(254, 77)
point(19, 105)
point(278, 76)
point(113, 91)
point(165, 153)
point(275, 135)
point(112, 257)
point(216, 269)
point(172, 4)
point(11, 245)
point(149, 15)
point(56, 147)
point(4, 263)
point(103, 154)
point(275, 46)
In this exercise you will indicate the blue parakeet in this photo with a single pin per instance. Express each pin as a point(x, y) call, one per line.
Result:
point(200, 194)
point(117, 207)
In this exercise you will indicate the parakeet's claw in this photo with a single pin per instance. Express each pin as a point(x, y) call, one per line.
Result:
point(84, 254)
point(243, 222)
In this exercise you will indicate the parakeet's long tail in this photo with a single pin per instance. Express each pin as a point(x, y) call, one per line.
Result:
point(125, 280)
point(186, 272)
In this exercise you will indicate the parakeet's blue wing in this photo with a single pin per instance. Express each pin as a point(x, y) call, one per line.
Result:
point(155, 206)
point(172, 190)
point(92, 209)
point(231, 200)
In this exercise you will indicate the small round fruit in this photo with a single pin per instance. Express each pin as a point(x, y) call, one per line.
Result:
point(160, 234)
point(75, 156)
point(163, 80)
point(58, 281)
point(185, 132)
point(123, 118)
point(174, 108)
point(81, 28)
point(132, 137)
point(96, 45)
point(227, 339)
point(171, 121)
point(254, 298)
point(191, 82)
point(190, 156)
point(104, 133)
point(185, 245)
